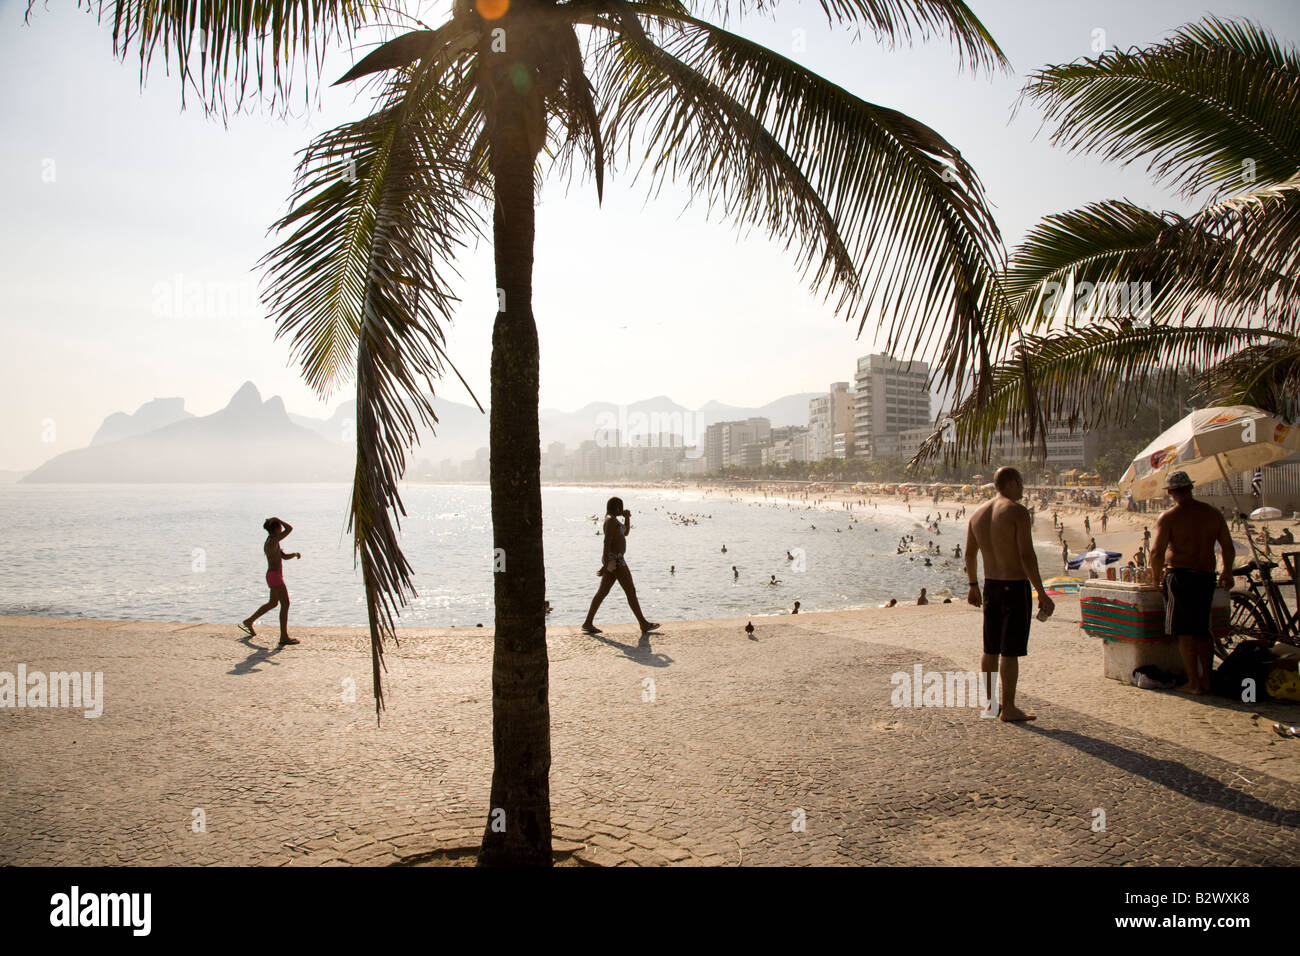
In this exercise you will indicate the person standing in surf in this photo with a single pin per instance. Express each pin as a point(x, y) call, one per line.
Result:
point(276, 531)
point(613, 567)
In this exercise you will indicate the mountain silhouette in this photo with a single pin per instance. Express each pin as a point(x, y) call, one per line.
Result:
point(249, 440)
point(153, 414)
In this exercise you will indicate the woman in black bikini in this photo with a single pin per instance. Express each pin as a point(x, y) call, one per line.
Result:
point(613, 567)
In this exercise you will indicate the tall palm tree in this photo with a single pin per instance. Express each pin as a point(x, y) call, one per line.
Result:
point(887, 217)
point(1215, 112)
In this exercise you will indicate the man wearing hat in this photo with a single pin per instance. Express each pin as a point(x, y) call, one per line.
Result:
point(1182, 559)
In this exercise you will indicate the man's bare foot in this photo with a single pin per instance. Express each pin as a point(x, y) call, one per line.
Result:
point(590, 629)
point(647, 627)
point(1192, 689)
point(1010, 714)
point(289, 640)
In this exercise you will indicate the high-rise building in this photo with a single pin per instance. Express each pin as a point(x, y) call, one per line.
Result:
point(790, 443)
point(890, 397)
point(724, 442)
point(819, 427)
point(829, 415)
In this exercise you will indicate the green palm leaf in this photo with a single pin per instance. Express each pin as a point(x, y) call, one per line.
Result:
point(885, 212)
point(378, 211)
point(902, 21)
point(1266, 375)
point(1087, 377)
point(1216, 106)
point(241, 46)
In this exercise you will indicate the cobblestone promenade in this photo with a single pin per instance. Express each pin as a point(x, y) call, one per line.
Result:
point(781, 749)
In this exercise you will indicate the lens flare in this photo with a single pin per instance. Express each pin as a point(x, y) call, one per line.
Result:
point(492, 9)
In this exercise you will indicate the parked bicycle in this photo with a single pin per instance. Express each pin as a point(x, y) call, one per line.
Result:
point(1260, 610)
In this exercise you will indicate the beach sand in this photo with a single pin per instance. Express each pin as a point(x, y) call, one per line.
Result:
point(690, 749)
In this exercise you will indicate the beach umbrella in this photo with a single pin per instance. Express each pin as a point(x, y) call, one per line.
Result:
point(1095, 560)
point(1209, 444)
point(1265, 514)
point(1241, 546)
point(988, 487)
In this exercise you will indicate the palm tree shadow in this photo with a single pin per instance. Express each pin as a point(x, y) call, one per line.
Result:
point(259, 655)
point(640, 654)
point(1174, 775)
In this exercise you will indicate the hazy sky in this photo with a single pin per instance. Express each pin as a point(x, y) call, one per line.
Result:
point(144, 196)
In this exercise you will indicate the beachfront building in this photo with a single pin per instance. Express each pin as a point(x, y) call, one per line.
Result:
point(819, 427)
point(790, 443)
point(1065, 448)
point(724, 442)
point(910, 440)
point(889, 397)
point(830, 415)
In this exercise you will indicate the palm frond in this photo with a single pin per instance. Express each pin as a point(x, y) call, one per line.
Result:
point(1266, 375)
point(900, 22)
point(1256, 248)
point(1117, 260)
point(1215, 106)
point(887, 214)
point(1086, 377)
point(241, 46)
point(377, 212)
point(449, 42)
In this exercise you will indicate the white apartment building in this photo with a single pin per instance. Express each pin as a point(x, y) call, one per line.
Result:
point(830, 415)
point(890, 397)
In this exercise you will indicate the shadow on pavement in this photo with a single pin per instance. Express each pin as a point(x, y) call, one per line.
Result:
point(641, 653)
point(1175, 775)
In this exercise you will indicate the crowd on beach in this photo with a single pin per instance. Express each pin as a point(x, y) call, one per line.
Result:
point(998, 535)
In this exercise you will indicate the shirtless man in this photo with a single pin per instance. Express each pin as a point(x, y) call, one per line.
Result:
point(999, 530)
point(1182, 560)
point(276, 531)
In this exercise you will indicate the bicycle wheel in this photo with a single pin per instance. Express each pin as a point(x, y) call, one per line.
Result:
point(1250, 620)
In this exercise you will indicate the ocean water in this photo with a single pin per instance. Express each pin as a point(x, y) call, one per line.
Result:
point(194, 553)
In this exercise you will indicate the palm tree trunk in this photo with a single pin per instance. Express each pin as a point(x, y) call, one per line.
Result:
point(518, 831)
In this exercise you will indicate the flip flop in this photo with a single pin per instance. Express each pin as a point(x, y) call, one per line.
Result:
point(1282, 730)
point(246, 629)
point(592, 629)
